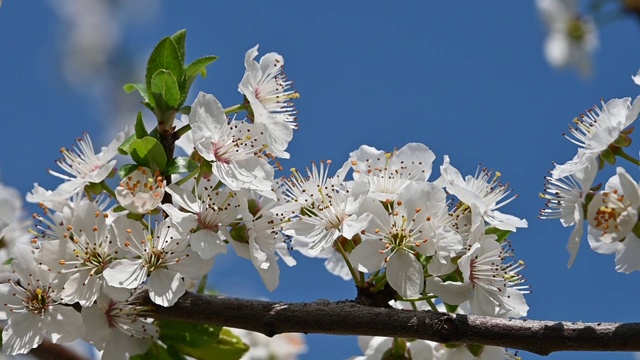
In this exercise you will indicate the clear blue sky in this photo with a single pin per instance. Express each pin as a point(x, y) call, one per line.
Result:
point(466, 79)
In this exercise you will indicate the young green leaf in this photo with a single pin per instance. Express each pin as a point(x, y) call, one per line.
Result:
point(125, 148)
point(155, 352)
point(127, 169)
point(165, 90)
point(179, 39)
point(165, 56)
point(174, 332)
point(142, 90)
point(149, 152)
point(199, 66)
point(141, 131)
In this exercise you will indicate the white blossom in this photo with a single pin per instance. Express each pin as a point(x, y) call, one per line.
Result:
point(141, 191)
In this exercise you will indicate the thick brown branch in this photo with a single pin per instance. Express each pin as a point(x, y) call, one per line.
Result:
point(348, 318)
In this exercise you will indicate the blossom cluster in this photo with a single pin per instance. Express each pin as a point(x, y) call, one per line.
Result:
point(379, 221)
point(573, 197)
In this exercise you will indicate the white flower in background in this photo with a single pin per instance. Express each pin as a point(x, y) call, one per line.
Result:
point(482, 191)
point(377, 347)
point(141, 191)
point(613, 213)
point(596, 130)
point(259, 236)
point(266, 87)
point(204, 219)
point(335, 213)
point(565, 201)
point(492, 288)
point(84, 166)
point(34, 307)
point(83, 251)
point(119, 328)
point(285, 346)
point(164, 258)
point(300, 192)
point(233, 149)
point(15, 229)
point(389, 173)
point(398, 230)
point(571, 38)
point(636, 78)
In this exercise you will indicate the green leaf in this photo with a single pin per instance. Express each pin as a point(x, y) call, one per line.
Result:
point(228, 347)
point(501, 234)
point(199, 66)
point(174, 332)
point(165, 90)
point(181, 165)
point(180, 39)
point(141, 131)
point(165, 56)
point(155, 352)
point(148, 152)
point(125, 148)
point(142, 89)
point(127, 169)
point(185, 110)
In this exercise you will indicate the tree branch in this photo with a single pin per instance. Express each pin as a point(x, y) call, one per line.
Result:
point(349, 318)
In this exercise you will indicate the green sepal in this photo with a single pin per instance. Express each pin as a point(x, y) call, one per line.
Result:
point(608, 156)
point(622, 141)
point(180, 39)
point(141, 131)
point(165, 90)
point(185, 110)
point(201, 341)
point(127, 169)
point(181, 165)
point(205, 168)
point(94, 188)
point(198, 66)
point(136, 217)
point(149, 152)
point(450, 308)
point(501, 234)
point(175, 353)
point(165, 56)
point(119, 208)
point(155, 352)
point(475, 349)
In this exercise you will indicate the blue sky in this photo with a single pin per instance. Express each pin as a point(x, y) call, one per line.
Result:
point(466, 79)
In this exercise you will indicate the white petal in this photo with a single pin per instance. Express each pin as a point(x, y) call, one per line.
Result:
point(125, 273)
point(405, 274)
point(165, 287)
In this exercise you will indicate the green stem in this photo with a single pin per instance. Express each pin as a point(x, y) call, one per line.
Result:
point(107, 189)
point(432, 305)
point(189, 176)
point(235, 109)
point(622, 154)
point(183, 130)
point(345, 256)
point(380, 283)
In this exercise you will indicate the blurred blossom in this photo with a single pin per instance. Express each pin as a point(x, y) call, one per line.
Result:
point(571, 38)
point(285, 346)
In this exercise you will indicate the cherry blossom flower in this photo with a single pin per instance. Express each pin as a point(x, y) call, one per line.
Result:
point(233, 149)
point(164, 258)
point(397, 230)
point(336, 212)
point(481, 191)
point(259, 235)
point(565, 201)
point(141, 191)
point(204, 220)
point(265, 87)
point(612, 214)
point(596, 130)
point(34, 307)
point(84, 166)
point(571, 38)
point(493, 288)
point(119, 328)
point(84, 250)
point(389, 173)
